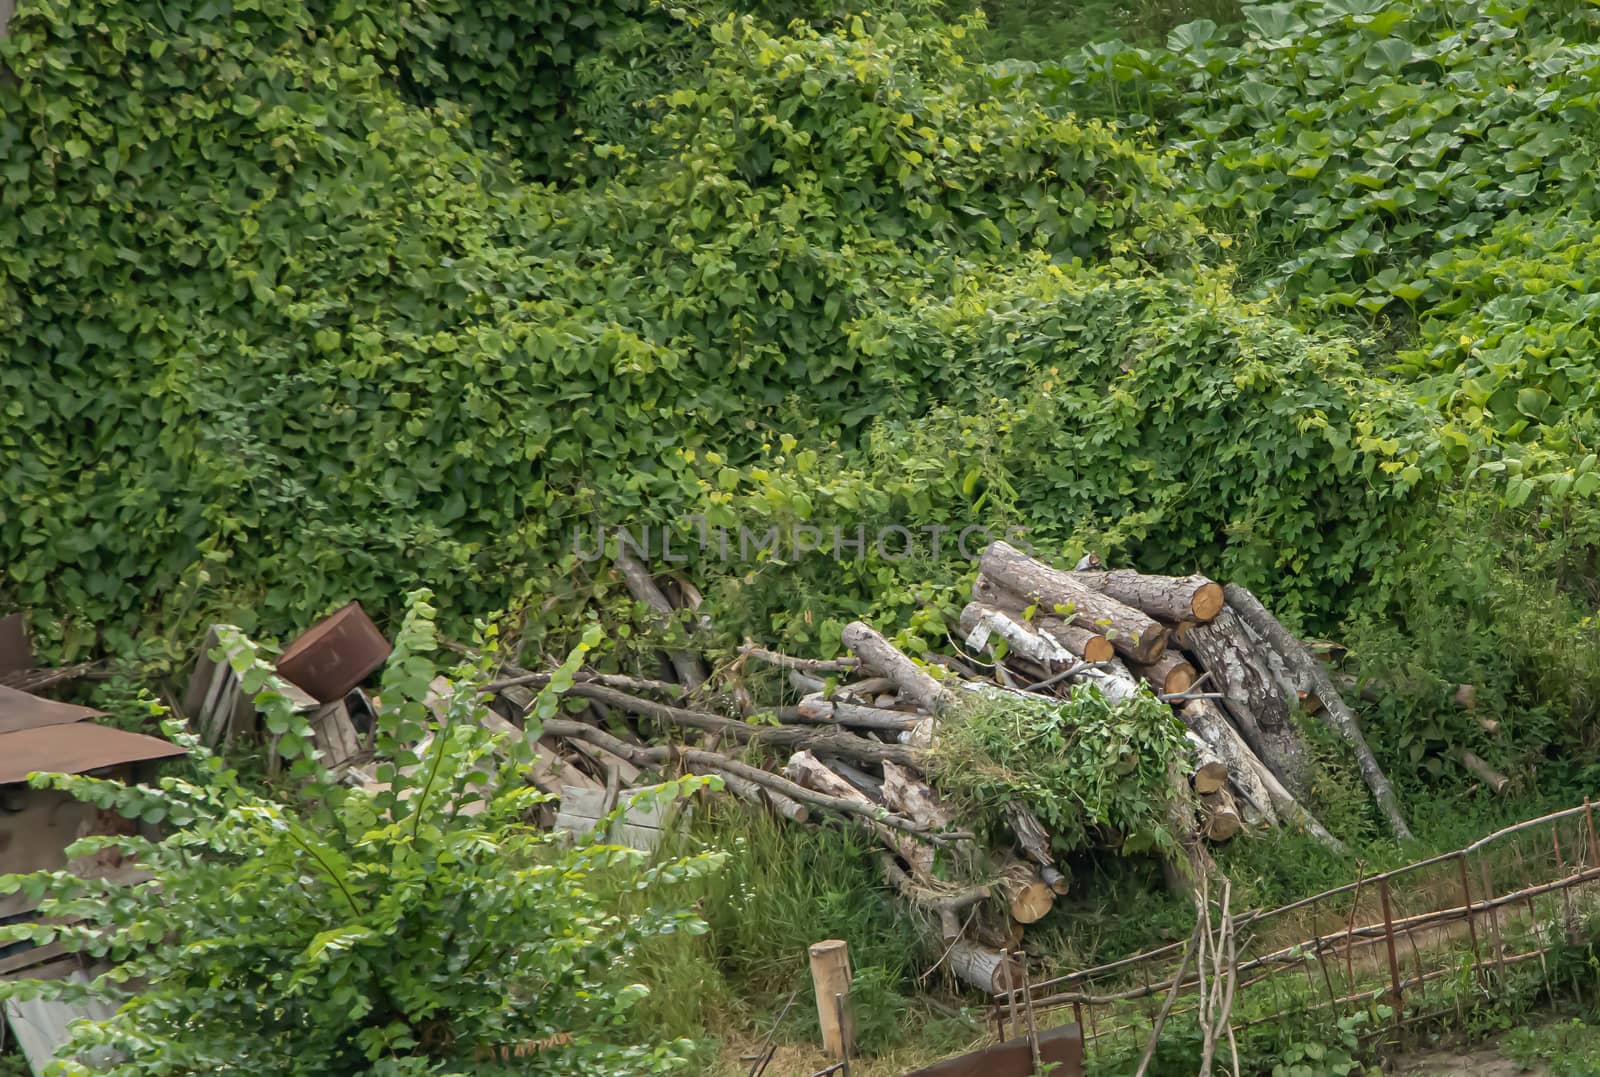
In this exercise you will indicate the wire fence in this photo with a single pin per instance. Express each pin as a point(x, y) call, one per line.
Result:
point(1400, 948)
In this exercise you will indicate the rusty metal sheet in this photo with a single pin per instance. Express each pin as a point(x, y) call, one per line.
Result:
point(336, 654)
point(24, 710)
point(1014, 1058)
point(16, 651)
point(76, 748)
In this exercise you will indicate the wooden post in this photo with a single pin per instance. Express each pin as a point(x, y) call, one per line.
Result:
point(830, 976)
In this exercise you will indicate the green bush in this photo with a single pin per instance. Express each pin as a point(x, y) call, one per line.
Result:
point(417, 926)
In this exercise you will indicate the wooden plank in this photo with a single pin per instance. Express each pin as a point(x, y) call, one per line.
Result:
point(586, 804)
point(643, 838)
point(42, 1026)
point(334, 734)
point(1062, 1045)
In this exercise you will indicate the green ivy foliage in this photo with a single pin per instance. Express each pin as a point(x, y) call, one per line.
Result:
point(1419, 161)
point(417, 926)
point(280, 334)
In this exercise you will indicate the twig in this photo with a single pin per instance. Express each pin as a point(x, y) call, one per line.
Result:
point(764, 1056)
point(1071, 671)
point(1166, 1006)
point(805, 665)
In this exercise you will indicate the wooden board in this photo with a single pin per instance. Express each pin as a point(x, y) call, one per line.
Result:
point(641, 827)
point(41, 1026)
point(1062, 1045)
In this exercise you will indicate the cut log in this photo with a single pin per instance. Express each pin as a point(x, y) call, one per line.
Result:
point(1169, 675)
point(1034, 840)
point(830, 979)
point(980, 623)
point(1088, 645)
point(1028, 897)
point(942, 900)
point(1131, 631)
point(1491, 777)
point(1314, 678)
point(1206, 721)
point(1221, 816)
point(686, 664)
point(1171, 598)
point(988, 970)
point(807, 665)
point(1253, 696)
point(883, 658)
point(1292, 812)
point(857, 777)
point(1210, 772)
point(915, 799)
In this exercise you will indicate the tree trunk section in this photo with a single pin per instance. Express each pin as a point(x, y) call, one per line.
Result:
point(1491, 777)
point(1169, 675)
point(1171, 598)
point(1086, 644)
point(1132, 632)
point(1206, 721)
point(1314, 677)
point(1222, 821)
point(1210, 772)
point(883, 658)
point(988, 970)
point(830, 978)
point(1253, 696)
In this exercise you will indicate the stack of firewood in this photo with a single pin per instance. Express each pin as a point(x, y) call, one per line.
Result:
point(853, 738)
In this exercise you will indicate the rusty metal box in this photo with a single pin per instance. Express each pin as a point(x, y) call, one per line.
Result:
point(335, 654)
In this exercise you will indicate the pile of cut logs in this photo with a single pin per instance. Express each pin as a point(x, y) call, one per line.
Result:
point(851, 739)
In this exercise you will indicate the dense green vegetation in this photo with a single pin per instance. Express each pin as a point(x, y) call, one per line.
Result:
point(310, 300)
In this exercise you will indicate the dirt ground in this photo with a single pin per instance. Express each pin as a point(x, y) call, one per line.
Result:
point(1479, 1060)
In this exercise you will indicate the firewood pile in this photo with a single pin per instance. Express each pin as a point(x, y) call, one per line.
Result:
point(853, 738)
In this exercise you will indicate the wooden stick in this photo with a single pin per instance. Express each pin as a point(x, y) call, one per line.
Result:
point(831, 742)
point(1491, 777)
point(805, 665)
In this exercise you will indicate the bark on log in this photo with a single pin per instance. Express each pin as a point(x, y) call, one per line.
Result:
point(1171, 598)
point(691, 672)
point(1206, 721)
point(1132, 632)
point(883, 658)
point(857, 777)
point(1169, 675)
point(1336, 714)
point(816, 710)
point(1086, 644)
point(1222, 821)
point(1292, 812)
point(1491, 777)
point(1210, 772)
point(1253, 696)
point(807, 770)
point(988, 970)
point(1034, 840)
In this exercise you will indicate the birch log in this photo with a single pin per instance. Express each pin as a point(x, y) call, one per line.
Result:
point(990, 971)
point(1313, 677)
point(1210, 772)
point(1132, 632)
point(1034, 840)
point(1171, 598)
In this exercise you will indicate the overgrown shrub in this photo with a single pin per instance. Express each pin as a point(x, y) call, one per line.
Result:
point(416, 926)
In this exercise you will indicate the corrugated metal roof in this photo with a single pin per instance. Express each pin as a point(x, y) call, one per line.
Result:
point(22, 710)
point(76, 748)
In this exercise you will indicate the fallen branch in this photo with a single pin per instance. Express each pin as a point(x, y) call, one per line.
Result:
point(1337, 715)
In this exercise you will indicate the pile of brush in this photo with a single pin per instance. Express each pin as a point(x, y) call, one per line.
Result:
point(857, 743)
